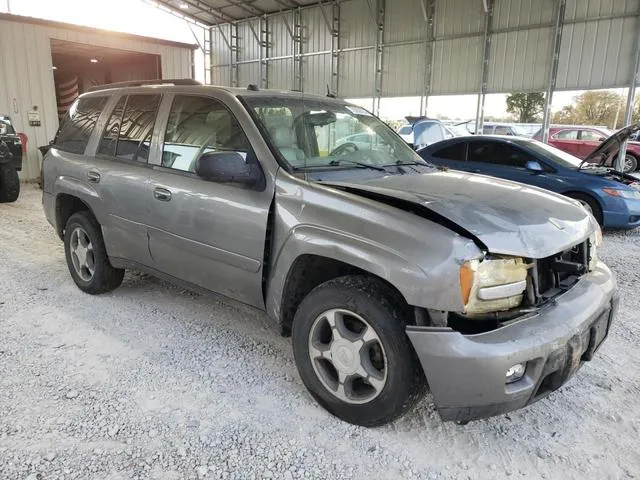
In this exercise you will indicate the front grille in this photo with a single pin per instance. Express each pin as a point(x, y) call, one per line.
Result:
point(553, 275)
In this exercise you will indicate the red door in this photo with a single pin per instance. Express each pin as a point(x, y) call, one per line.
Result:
point(567, 140)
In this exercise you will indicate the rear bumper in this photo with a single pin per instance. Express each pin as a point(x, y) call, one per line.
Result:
point(466, 373)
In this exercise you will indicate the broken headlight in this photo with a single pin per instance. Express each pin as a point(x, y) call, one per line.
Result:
point(595, 241)
point(492, 284)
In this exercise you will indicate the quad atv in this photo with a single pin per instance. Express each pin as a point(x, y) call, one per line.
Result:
point(10, 162)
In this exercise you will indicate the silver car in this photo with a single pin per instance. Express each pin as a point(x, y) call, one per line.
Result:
point(389, 274)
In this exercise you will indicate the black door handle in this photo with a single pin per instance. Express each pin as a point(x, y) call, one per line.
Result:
point(93, 177)
point(162, 194)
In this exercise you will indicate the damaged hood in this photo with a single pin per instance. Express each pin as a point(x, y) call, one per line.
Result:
point(508, 218)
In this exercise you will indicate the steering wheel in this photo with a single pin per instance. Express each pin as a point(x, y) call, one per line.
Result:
point(348, 147)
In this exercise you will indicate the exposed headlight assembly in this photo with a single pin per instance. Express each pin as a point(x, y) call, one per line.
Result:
point(492, 285)
point(595, 241)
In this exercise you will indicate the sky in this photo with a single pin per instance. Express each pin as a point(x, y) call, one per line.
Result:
point(143, 18)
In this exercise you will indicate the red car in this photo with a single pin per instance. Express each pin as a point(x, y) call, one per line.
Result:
point(581, 141)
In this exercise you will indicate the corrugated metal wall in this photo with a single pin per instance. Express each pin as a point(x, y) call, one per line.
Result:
point(26, 76)
point(596, 52)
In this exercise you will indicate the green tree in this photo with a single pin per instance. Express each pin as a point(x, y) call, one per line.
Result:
point(596, 107)
point(527, 107)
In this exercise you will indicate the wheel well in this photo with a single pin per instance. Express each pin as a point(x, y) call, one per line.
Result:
point(67, 205)
point(309, 271)
point(583, 194)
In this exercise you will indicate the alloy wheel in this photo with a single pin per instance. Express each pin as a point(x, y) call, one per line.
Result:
point(347, 356)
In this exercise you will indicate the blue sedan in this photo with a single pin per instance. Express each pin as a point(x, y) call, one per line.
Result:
point(613, 197)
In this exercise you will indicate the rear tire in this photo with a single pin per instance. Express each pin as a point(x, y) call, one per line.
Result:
point(372, 383)
point(86, 255)
point(591, 203)
point(9, 184)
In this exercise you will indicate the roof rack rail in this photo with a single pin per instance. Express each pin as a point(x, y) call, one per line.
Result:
point(140, 83)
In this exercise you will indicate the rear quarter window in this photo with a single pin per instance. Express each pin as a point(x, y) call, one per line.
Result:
point(79, 123)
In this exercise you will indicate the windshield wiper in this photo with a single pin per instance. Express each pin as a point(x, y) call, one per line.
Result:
point(401, 163)
point(337, 162)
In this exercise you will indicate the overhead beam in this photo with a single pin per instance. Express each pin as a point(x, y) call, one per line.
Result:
point(165, 6)
point(559, 10)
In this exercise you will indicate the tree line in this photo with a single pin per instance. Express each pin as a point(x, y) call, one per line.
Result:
point(596, 107)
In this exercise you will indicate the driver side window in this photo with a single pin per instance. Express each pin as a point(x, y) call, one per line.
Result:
point(199, 125)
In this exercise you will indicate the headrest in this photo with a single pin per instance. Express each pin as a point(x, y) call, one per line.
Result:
point(282, 136)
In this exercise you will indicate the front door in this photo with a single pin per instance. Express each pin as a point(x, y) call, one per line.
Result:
point(206, 233)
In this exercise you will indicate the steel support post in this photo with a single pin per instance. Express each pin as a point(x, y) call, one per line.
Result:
point(486, 52)
point(553, 66)
point(377, 89)
point(428, 11)
point(298, 83)
point(208, 57)
point(335, 48)
point(264, 52)
point(233, 68)
point(628, 113)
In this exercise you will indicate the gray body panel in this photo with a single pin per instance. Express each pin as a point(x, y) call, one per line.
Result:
point(217, 237)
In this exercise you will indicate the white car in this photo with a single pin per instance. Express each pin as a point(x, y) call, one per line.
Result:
point(406, 132)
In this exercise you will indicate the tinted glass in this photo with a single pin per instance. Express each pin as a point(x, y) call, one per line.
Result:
point(137, 127)
point(556, 155)
point(567, 135)
point(498, 153)
point(199, 125)
point(79, 123)
point(110, 136)
point(457, 151)
point(487, 129)
point(406, 130)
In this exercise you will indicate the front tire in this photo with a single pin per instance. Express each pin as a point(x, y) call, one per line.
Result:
point(630, 163)
point(86, 255)
point(352, 352)
point(9, 184)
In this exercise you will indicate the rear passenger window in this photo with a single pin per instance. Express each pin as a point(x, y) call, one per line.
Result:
point(199, 125)
point(457, 151)
point(79, 123)
point(129, 129)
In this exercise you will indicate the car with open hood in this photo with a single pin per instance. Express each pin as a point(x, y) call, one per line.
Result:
point(581, 141)
point(612, 197)
point(388, 273)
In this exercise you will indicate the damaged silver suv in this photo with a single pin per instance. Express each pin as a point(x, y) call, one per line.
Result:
point(389, 274)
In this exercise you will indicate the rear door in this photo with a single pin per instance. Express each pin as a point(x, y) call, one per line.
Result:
point(206, 233)
point(120, 173)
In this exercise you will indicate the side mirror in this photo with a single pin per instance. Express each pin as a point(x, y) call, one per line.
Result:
point(225, 167)
point(534, 166)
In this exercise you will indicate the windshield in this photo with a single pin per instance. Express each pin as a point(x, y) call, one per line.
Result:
point(311, 134)
point(564, 159)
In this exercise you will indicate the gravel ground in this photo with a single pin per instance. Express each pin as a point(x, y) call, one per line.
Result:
point(151, 381)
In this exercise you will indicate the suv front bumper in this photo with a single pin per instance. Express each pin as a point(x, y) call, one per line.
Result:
point(466, 373)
